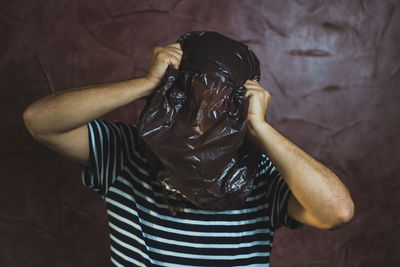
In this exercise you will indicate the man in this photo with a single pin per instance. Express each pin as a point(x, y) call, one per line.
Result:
point(290, 188)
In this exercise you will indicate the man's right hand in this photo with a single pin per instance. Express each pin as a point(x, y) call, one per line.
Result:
point(163, 57)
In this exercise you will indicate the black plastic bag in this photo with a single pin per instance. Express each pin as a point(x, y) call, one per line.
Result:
point(194, 125)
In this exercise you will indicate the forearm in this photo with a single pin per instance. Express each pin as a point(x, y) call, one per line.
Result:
point(316, 187)
point(71, 108)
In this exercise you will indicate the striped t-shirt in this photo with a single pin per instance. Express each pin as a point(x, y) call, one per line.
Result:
point(144, 233)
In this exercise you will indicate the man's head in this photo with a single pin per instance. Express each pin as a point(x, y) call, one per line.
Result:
point(196, 122)
point(215, 54)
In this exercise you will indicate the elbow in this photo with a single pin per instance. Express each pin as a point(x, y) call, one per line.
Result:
point(27, 114)
point(344, 215)
point(27, 117)
point(30, 120)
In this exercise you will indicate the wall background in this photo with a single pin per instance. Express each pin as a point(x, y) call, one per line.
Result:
point(332, 68)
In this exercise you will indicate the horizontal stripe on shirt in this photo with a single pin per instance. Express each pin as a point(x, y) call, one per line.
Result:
point(143, 232)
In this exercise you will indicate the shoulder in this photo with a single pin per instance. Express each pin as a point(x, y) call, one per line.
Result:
point(114, 127)
point(121, 134)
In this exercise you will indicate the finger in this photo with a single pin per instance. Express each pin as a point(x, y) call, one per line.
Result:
point(170, 54)
point(174, 60)
point(178, 45)
point(174, 46)
point(174, 50)
point(254, 84)
point(174, 57)
point(254, 87)
point(249, 93)
point(249, 83)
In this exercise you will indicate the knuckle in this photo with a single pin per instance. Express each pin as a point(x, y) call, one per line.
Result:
point(158, 51)
point(163, 57)
point(178, 45)
point(266, 94)
point(160, 57)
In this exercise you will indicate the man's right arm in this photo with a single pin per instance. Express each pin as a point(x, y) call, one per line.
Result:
point(59, 120)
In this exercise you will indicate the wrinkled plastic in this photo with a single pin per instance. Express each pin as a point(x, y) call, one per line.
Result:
point(194, 125)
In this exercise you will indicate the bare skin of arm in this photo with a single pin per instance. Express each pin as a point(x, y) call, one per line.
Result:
point(319, 198)
point(59, 120)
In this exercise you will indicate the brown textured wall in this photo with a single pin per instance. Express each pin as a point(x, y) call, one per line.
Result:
point(333, 70)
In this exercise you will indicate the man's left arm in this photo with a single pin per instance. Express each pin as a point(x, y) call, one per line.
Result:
point(318, 196)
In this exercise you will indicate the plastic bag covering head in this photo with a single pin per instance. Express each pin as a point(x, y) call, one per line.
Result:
point(194, 125)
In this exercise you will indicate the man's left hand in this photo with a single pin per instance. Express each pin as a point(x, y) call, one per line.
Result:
point(258, 103)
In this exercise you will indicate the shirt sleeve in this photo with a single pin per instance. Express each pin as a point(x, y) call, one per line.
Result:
point(111, 144)
point(278, 193)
